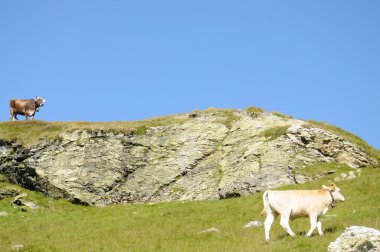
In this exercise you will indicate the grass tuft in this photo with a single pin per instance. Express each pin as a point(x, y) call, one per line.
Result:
point(254, 111)
point(282, 115)
point(274, 132)
point(329, 170)
point(140, 130)
point(229, 118)
point(225, 116)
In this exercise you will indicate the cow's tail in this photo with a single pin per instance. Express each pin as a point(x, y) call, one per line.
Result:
point(266, 204)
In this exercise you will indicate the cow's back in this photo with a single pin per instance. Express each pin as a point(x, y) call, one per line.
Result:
point(295, 201)
point(20, 106)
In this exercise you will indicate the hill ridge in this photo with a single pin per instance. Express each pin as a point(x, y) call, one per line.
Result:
point(200, 155)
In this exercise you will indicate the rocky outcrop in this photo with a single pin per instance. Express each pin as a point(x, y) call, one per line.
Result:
point(8, 192)
point(210, 156)
point(357, 239)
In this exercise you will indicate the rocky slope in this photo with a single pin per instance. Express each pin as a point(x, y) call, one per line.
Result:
point(356, 238)
point(212, 155)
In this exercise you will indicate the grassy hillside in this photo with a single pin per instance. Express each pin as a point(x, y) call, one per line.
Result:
point(61, 226)
point(32, 132)
point(58, 225)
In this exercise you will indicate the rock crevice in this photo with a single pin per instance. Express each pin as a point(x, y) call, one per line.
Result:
point(199, 159)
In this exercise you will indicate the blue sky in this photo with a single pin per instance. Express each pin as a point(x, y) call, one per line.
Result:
point(131, 60)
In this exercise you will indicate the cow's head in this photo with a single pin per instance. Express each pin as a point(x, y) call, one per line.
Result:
point(335, 192)
point(39, 101)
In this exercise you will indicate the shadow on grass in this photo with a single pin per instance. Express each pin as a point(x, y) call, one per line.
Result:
point(283, 236)
point(303, 233)
point(286, 235)
point(330, 230)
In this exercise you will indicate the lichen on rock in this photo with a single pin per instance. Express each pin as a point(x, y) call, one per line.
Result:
point(357, 239)
point(212, 155)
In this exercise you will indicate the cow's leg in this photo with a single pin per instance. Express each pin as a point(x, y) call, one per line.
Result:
point(313, 224)
point(26, 115)
point(12, 115)
point(268, 223)
point(285, 224)
point(319, 226)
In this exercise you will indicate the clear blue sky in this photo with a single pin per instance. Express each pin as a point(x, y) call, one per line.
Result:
point(131, 60)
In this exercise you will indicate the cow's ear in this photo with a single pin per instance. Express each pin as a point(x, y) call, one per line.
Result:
point(325, 187)
point(332, 187)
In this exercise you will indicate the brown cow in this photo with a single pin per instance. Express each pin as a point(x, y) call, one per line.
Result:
point(27, 108)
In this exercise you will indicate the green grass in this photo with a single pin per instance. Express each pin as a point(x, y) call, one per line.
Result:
point(229, 118)
point(321, 169)
point(60, 226)
point(29, 132)
point(274, 132)
point(371, 151)
point(282, 115)
point(32, 132)
point(254, 111)
point(140, 130)
point(226, 116)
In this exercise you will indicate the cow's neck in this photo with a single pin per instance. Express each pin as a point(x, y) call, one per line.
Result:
point(36, 104)
point(332, 199)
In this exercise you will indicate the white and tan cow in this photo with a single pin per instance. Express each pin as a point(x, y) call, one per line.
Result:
point(26, 107)
point(299, 203)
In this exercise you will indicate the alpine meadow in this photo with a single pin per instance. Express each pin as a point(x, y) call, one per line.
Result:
point(177, 182)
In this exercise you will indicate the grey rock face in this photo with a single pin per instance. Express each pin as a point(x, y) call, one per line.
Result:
point(197, 160)
point(357, 239)
point(7, 192)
